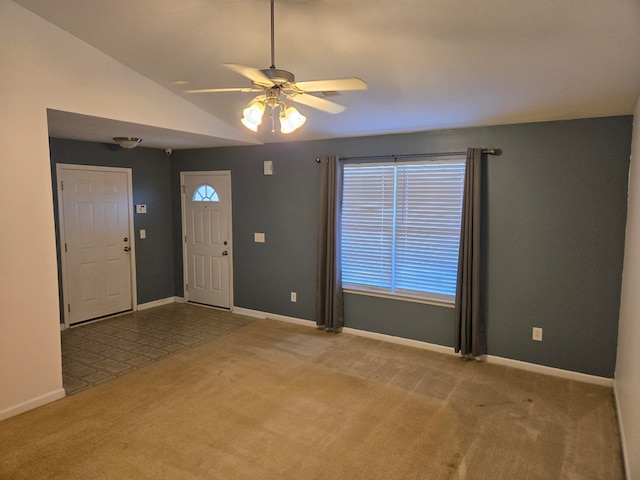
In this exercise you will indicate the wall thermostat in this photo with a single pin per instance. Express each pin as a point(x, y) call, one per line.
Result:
point(141, 208)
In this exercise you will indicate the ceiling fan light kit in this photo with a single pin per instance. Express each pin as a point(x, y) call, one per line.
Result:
point(274, 82)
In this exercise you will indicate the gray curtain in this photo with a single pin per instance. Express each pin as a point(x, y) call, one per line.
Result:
point(470, 327)
point(329, 309)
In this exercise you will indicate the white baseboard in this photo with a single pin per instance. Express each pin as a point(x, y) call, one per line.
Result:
point(555, 372)
point(625, 451)
point(249, 313)
point(530, 367)
point(273, 316)
point(33, 403)
point(407, 342)
point(159, 303)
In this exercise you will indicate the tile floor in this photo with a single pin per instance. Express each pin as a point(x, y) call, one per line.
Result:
point(96, 352)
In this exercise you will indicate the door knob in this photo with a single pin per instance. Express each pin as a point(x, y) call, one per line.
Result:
point(225, 253)
point(127, 249)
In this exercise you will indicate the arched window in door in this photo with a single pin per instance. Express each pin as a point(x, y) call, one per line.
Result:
point(205, 193)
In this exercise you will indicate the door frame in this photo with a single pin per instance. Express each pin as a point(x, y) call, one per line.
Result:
point(63, 255)
point(183, 209)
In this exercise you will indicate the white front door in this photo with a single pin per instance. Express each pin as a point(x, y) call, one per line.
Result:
point(206, 202)
point(96, 250)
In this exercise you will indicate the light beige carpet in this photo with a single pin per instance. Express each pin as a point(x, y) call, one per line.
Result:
point(278, 401)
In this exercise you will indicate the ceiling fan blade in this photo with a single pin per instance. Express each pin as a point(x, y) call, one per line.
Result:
point(253, 74)
point(317, 102)
point(215, 90)
point(332, 85)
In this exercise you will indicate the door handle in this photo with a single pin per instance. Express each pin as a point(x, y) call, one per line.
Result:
point(127, 249)
point(225, 253)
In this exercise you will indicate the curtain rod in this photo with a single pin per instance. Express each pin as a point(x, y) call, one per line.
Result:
point(485, 151)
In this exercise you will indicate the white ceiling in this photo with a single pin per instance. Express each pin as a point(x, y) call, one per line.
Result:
point(429, 64)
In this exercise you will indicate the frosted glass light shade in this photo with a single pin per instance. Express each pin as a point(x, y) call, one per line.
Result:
point(253, 116)
point(291, 119)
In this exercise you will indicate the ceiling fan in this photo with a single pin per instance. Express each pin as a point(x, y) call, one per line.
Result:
point(275, 83)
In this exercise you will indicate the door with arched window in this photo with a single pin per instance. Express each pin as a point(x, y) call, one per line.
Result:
point(206, 212)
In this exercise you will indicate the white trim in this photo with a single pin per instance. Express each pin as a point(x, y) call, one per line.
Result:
point(158, 303)
point(295, 321)
point(33, 403)
point(129, 173)
point(625, 451)
point(508, 362)
point(247, 312)
point(407, 342)
point(273, 316)
point(555, 372)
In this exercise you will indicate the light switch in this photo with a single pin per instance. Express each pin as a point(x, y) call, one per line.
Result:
point(258, 237)
point(143, 233)
point(268, 167)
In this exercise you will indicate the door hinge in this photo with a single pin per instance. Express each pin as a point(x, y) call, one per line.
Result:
point(61, 185)
point(182, 188)
point(186, 287)
point(65, 247)
point(69, 307)
point(185, 239)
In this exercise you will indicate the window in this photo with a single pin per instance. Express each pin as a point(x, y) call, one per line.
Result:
point(205, 193)
point(401, 228)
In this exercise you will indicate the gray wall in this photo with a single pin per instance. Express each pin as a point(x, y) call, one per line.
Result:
point(283, 206)
point(555, 209)
point(151, 186)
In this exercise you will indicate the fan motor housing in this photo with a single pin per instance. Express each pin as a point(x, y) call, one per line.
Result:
point(278, 76)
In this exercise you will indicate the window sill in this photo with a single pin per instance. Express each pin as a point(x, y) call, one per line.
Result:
point(403, 298)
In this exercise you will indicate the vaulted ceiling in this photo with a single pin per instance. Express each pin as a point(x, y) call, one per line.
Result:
point(429, 64)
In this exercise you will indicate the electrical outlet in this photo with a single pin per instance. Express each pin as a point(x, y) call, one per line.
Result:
point(294, 297)
point(537, 334)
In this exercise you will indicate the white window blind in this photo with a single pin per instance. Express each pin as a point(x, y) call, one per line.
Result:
point(401, 228)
